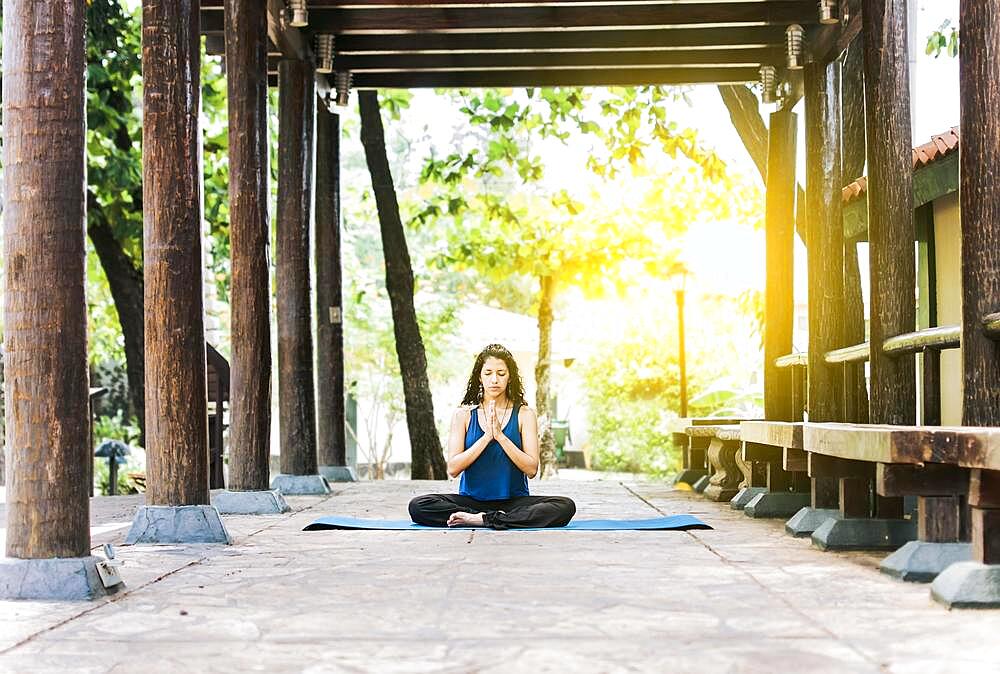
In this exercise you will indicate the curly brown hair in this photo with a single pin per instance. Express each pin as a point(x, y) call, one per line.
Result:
point(515, 387)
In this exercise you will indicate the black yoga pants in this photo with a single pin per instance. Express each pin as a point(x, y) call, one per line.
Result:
point(520, 512)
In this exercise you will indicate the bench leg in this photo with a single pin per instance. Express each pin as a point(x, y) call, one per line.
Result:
point(976, 583)
point(823, 504)
point(694, 462)
point(856, 529)
point(937, 546)
point(754, 481)
point(787, 493)
point(726, 475)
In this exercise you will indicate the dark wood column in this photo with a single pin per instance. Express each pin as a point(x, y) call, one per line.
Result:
point(979, 68)
point(176, 395)
point(249, 233)
point(891, 231)
point(825, 238)
point(296, 391)
point(825, 257)
point(779, 303)
point(45, 307)
point(980, 203)
point(330, 437)
point(853, 106)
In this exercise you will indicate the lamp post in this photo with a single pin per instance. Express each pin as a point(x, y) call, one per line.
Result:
point(679, 281)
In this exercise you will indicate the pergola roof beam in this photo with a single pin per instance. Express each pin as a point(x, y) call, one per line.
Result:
point(544, 60)
point(608, 16)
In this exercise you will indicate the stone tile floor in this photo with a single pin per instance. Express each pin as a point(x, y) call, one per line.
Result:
point(743, 597)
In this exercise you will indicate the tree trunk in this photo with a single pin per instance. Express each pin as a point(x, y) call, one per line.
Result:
point(330, 435)
point(546, 445)
point(745, 115)
point(125, 281)
point(249, 231)
point(428, 459)
point(176, 392)
point(45, 304)
point(296, 391)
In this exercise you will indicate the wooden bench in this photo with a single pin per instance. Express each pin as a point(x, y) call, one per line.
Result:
point(693, 448)
point(724, 474)
point(945, 468)
point(784, 490)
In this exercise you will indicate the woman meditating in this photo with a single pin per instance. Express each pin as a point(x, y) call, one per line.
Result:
point(493, 443)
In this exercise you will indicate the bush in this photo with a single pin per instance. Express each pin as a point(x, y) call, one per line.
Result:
point(631, 398)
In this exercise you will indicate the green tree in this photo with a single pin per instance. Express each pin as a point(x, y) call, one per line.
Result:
point(548, 234)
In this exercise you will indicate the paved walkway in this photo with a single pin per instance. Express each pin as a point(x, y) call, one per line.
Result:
point(743, 597)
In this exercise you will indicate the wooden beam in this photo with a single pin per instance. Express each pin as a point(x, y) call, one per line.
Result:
point(249, 231)
point(825, 234)
point(779, 255)
point(931, 479)
point(331, 432)
point(542, 60)
point(45, 304)
point(891, 232)
point(608, 16)
point(979, 70)
point(176, 395)
point(296, 391)
point(778, 433)
point(570, 41)
point(553, 78)
point(821, 465)
point(381, 4)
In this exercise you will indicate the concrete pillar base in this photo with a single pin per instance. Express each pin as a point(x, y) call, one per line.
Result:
point(968, 585)
point(55, 579)
point(301, 485)
point(250, 502)
point(864, 534)
point(807, 520)
point(776, 504)
point(744, 496)
point(172, 525)
point(701, 484)
point(690, 475)
point(921, 562)
point(338, 473)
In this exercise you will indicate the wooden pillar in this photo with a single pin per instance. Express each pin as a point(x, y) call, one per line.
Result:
point(330, 436)
point(825, 234)
point(176, 395)
point(779, 302)
point(891, 230)
point(825, 259)
point(853, 107)
point(979, 71)
point(45, 319)
point(296, 391)
point(249, 233)
point(979, 188)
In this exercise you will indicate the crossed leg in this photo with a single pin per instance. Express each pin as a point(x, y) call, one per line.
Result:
point(520, 512)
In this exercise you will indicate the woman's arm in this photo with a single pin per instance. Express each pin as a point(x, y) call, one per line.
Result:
point(525, 459)
point(460, 458)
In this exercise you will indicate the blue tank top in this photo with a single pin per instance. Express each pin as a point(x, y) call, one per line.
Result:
point(493, 475)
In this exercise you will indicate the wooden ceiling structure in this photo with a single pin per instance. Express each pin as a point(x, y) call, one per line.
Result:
point(501, 43)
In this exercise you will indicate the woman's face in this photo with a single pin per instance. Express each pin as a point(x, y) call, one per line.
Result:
point(494, 376)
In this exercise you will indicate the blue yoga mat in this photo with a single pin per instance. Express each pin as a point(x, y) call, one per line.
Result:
point(673, 522)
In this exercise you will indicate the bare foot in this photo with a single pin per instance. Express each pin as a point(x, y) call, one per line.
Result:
point(461, 519)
